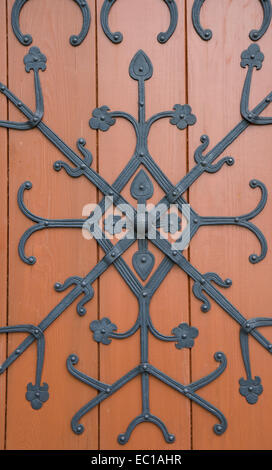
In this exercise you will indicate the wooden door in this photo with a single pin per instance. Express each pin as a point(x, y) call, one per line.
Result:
point(206, 75)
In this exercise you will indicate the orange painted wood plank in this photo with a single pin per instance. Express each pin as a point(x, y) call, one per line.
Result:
point(140, 22)
point(215, 86)
point(69, 90)
point(4, 220)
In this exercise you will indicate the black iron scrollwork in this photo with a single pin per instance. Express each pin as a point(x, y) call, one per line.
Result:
point(26, 39)
point(205, 286)
point(117, 37)
point(254, 35)
point(37, 394)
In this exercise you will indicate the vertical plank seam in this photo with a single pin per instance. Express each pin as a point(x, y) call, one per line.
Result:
point(97, 200)
point(7, 235)
point(188, 199)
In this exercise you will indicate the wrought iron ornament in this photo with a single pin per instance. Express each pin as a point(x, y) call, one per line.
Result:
point(117, 37)
point(205, 285)
point(254, 35)
point(26, 39)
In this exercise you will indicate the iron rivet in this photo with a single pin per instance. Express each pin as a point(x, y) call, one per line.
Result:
point(1, 368)
point(17, 351)
point(81, 141)
point(185, 390)
point(102, 118)
point(254, 257)
point(73, 358)
point(146, 416)
point(141, 69)
point(122, 438)
point(113, 254)
point(228, 281)
point(36, 332)
point(141, 187)
point(236, 219)
point(206, 34)
point(144, 294)
point(143, 259)
point(103, 331)
point(142, 154)
point(25, 39)
point(35, 119)
point(202, 281)
point(19, 104)
point(82, 166)
point(145, 366)
point(219, 356)
point(74, 40)
point(174, 193)
point(250, 115)
point(108, 390)
point(247, 325)
point(204, 163)
point(250, 389)
point(195, 221)
point(83, 283)
point(254, 182)
point(184, 336)
point(116, 37)
point(255, 35)
point(37, 394)
point(175, 253)
point(171, 437)
point(219, 428)
point(162, 37)
point(46, 223)
point(204, 308)
point(141, 103)
point(267, 99)
point(3, 87)
point(252, 56)
point(82, 310)
point(79, 428)
point(270, 347)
